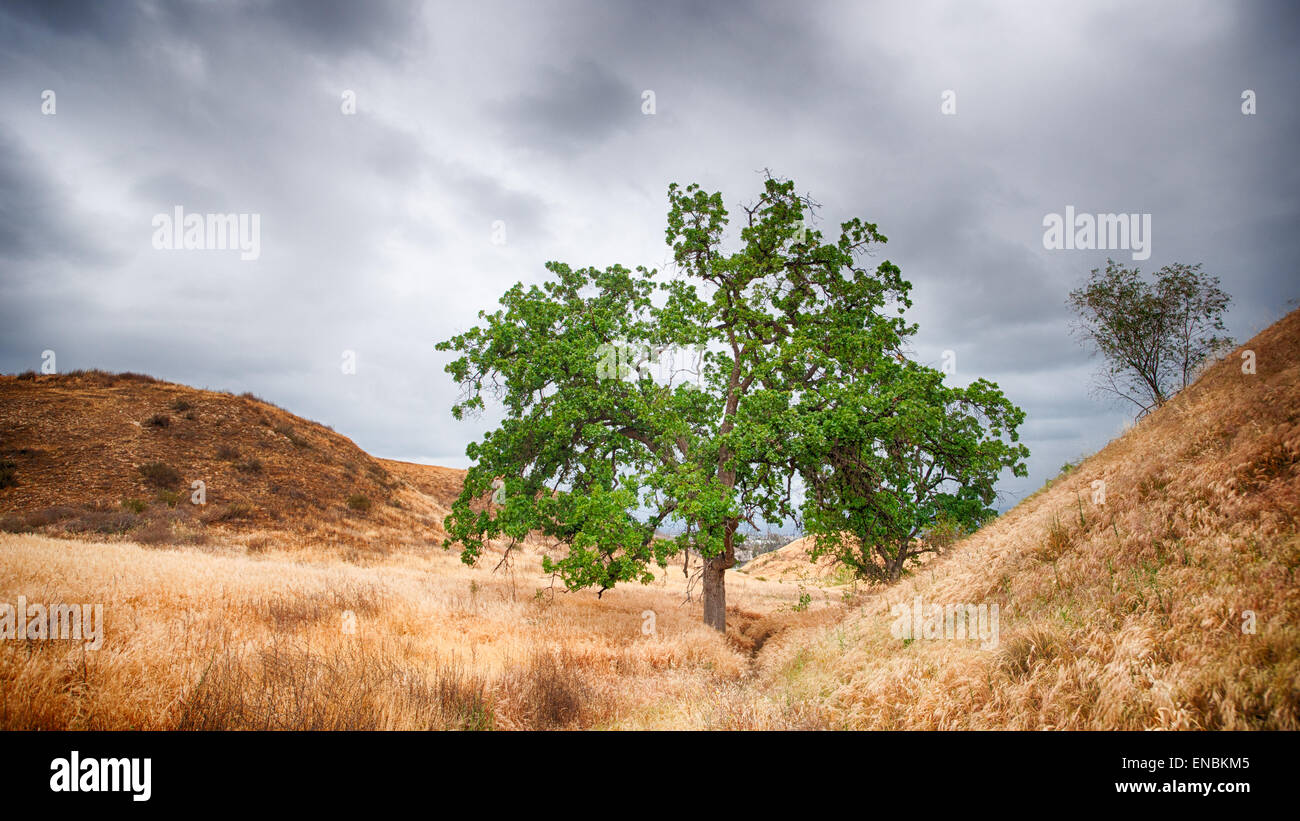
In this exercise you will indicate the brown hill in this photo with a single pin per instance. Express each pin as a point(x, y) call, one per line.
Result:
point(1155, 586)
point(103, 454)
point(791, 563)
point(794, 562)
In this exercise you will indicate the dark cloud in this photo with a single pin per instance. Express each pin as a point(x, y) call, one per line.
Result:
point(38, 217)
point(571, 109)
point(377, 228)
point(327, 28)
point(73, 18)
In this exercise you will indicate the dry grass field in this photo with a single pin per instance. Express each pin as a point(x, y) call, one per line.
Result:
point(219, 637)
point(1171, 603)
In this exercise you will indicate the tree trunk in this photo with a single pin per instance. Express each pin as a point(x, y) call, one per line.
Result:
point(715, 586)
point(715, 593)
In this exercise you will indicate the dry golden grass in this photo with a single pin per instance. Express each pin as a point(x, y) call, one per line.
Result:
point(1122, 615)
point(224, 637)
point(792, 563)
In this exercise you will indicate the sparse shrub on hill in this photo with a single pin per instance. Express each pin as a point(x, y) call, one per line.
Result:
point(250, 465)
point(380, 476)
point(158, 420)
point(134, 505)
point(170, 530)
point(227, 453)
point(27, 376)
point(292, 435)
point(8, 473)
point(252, 397)
point(160, 474)
point(103, 522)
point(1070, 466)
point(153, 533)
point(234, 511)
point(20, 523)
point(180, 405)
point(15, 523)
point(105, 379)
point(944, 533)
point(132, 376)
point(50, 515)
point(359, 502)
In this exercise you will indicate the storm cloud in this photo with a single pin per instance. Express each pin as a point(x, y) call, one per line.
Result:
point(489, 138)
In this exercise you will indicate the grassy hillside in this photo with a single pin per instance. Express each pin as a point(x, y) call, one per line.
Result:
point(1127, 614)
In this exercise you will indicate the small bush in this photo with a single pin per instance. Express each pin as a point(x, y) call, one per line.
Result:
point(944, 533)
point(292, 435)
point(50, 515)
point(157, 532)
point(180, 405)
point(380, 476)
point(101, 521)
point(160, 475)
point(235, 511)
point(257, 544)
point(805, 600)
point(250, 465)
point(359, 503)
point(14, 523)
point(173, 531)
point(158, 420)
point(169, 497)
point(227, 453)
point(8, 473)
point(134, 505)
point(132, 376)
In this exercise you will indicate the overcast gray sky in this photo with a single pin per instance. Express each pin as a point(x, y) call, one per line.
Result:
point(377, 228)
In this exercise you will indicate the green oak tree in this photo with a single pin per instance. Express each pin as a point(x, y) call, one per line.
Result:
point(799, 341)
point(904, 463)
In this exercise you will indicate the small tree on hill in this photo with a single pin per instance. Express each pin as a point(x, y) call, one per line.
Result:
point(1153, 336)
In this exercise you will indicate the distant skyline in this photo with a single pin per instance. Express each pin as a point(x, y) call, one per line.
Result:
point(401, 165)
